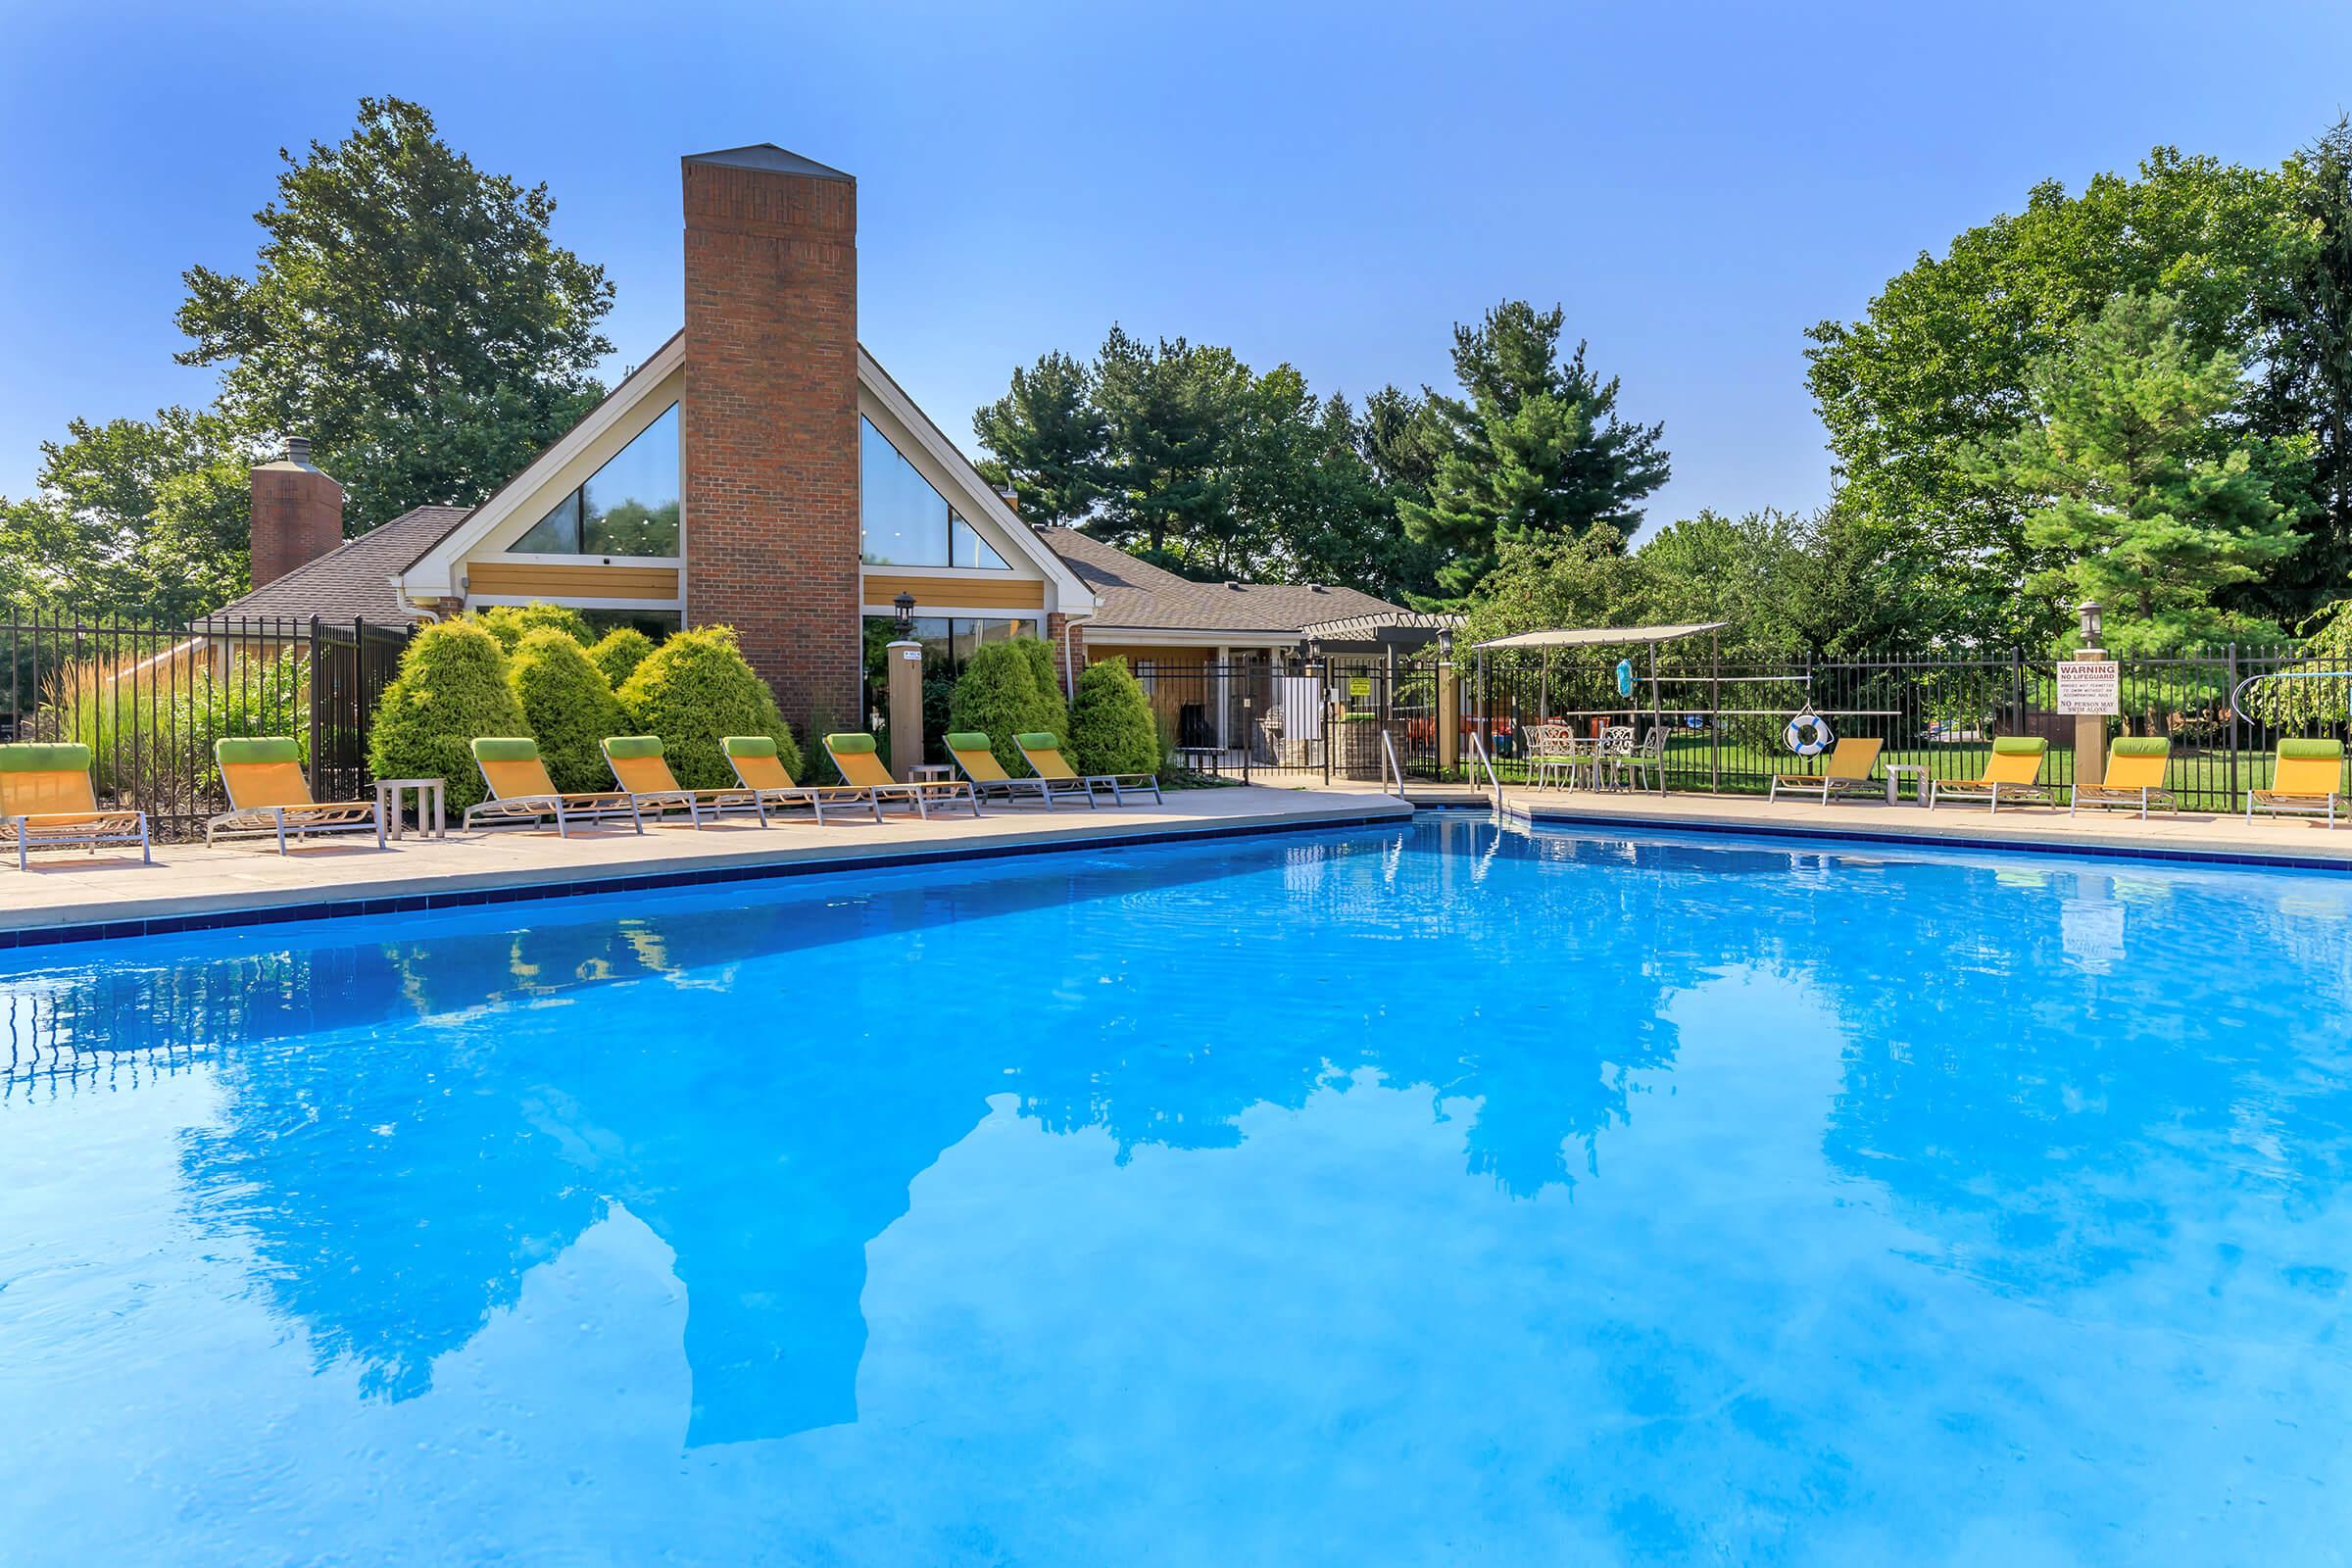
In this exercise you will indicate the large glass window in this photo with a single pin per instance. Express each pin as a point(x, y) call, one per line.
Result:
point(908, 522)
point(629, 507)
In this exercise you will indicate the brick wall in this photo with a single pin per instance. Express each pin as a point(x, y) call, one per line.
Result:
point(1062, 632)
point(769, 424)
point(297, 517)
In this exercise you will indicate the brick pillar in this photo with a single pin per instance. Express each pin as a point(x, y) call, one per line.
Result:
point(768, 426)
point(1067, 639)
point(297, 514)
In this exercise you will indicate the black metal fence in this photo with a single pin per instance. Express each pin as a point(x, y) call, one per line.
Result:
point(150, 700)
point(1725, 720)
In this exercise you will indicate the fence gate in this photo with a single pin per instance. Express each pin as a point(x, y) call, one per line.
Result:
point(350, 667)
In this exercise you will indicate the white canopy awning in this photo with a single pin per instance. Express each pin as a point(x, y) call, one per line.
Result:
point(1603, 636)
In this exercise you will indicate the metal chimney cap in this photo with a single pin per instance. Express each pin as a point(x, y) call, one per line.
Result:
point(297, 450)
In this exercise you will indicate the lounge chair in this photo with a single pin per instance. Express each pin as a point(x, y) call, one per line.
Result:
point(46, 801)
point(1043, 753)
point(759, 770)
point(2307, 779)
point(641, 767)
point(861, 768)
point(522, 792)
point(2014, 775)
point(1847, 772)
point(978, 762)
point(2135, 778)
point(268, 795)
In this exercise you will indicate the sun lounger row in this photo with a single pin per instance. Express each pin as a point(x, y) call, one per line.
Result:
point(2307, 778)
point(47, 799)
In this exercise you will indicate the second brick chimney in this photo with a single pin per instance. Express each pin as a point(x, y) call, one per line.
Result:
point(297, 514)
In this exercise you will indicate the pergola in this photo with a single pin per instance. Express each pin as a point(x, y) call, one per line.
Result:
point(1650, 637)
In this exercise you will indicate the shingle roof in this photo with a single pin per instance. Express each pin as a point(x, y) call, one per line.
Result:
point(1137, 594)
point(353, 580)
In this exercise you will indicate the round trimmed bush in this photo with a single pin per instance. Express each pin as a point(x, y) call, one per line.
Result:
point(998, 695)
point(1112, 728)
point(692, 690)
point(451, 688)
point(618, 655)
point(508, 622)
point(568, 706)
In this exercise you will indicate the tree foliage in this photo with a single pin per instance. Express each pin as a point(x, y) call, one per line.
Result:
point(695, 689)
point(1050, 439)
point(569, 707)
point(2141, 492)
point(1113, 729)
point(408, 312)
point(451, 690)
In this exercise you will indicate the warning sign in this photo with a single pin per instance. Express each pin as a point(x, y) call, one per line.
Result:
point(2087, 686)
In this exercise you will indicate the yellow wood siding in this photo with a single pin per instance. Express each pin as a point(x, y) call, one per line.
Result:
point(965, 593)
point(507, 578)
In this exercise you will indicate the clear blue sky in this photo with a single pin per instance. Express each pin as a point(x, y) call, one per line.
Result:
point(1331, 186)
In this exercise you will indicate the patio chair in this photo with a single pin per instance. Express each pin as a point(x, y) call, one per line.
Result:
point(2135, 778)
point(1848, 772)
point(520, 792)
point(2307, 779)
point(1610, 752)
point(759, 768)
point(2014, 775)
point(861, 767)
point(46, 801)
point(1647, 758)
point(1042, 751)
point(268, 795)
point(978, 762)
point(640, 766)
point(1551, 754)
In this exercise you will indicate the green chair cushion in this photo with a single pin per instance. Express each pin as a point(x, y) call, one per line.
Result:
point(747, 745)
point(2140, 746)
point(967, 740)
point(254, 749)
point(632, 748)
point(27, 757)
point(507, 749)
point(2306, 750)
point(1036, 741)
point(849, 745)
point(2019, 746)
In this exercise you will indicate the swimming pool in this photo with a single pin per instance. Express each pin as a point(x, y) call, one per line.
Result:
point(1410, 1194)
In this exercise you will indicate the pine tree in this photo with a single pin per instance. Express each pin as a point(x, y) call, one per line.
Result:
point(2136, 477)
point(1047, 439)
point(1535, 448)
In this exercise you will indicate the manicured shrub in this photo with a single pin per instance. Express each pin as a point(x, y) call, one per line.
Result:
point(1112, 728)
point(618, 655)
point(568, 706)
point(997, 694)
point(817, 763)
point(451, 688)
point(694, 688)
point(508, 622)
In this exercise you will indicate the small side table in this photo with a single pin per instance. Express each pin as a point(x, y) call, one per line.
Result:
point(432, 814)
point(933, 773)
point(1894, 782)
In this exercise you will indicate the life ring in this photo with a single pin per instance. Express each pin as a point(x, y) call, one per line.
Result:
point(1808, 734)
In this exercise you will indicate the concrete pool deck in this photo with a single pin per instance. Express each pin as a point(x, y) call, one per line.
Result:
point(71, 894)
point(2186, 835)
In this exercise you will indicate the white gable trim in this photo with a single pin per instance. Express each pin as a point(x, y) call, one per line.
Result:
point(973, 497)
point(439, 570)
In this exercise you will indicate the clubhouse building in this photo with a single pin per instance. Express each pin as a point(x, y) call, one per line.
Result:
point(761, 469)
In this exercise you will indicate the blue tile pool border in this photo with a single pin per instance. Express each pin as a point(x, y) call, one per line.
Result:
point(2340, 864)
point(42, 936)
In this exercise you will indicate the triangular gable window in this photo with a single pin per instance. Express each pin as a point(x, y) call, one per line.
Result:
point(906, 521)
point(629, 507)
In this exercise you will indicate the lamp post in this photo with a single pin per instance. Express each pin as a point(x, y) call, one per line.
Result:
point(906, 682)
point(2090, 729)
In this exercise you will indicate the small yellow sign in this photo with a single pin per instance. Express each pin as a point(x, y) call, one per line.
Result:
point(1359, 685)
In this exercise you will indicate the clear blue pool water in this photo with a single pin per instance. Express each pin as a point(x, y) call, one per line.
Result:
point(1425, 1195)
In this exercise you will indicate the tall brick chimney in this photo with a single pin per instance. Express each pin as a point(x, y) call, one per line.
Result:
point(769, 424)
point(297, 514)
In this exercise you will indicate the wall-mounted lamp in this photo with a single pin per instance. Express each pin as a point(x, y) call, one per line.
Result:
point(905, 605)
